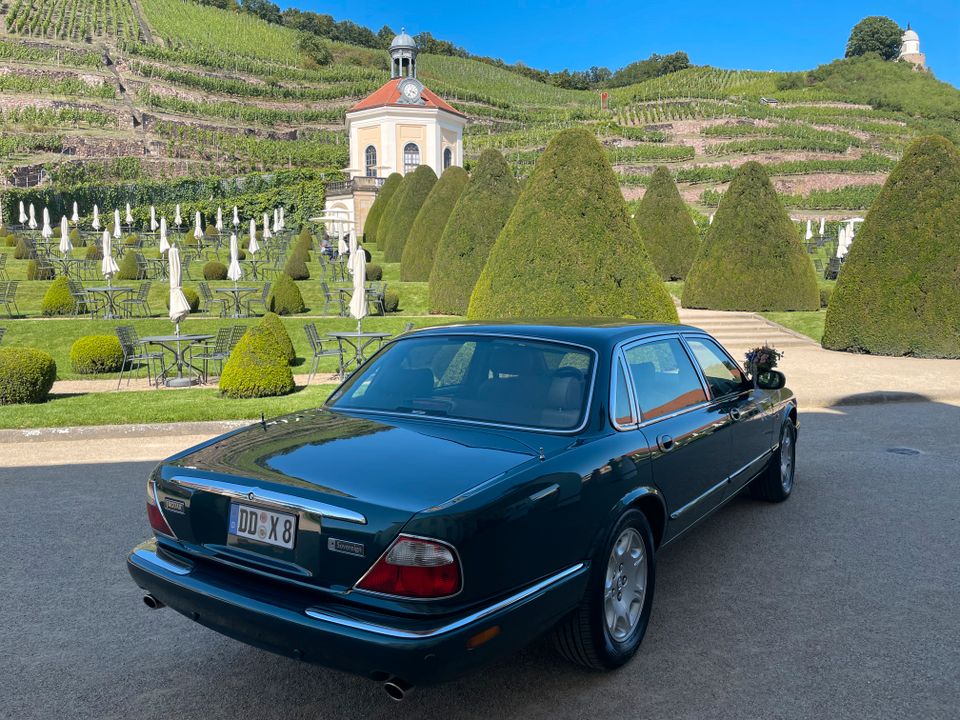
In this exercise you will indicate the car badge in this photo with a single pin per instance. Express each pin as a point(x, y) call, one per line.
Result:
point(345, 546)
point(177, 506)
point(251, 496)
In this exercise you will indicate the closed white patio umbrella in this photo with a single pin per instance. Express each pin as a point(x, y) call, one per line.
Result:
point(179, 307)
point(117, 230)
point(65, 244)
point(358, 301)
point(47, 231)
point(342, 247)
point(164, 244)
point(823, 223)
point(809, 233)
point(219, 224)
point(129, 217)
point(236, 217)
point(32, 222)
point(75, 218)
point(254, 246)
point(197, 229)
point(177, 220)
point(96, 218)
point(283, 223)
point(266, 227)
point(710, 222)
point(276, 221)
point(108, 266)
point(234, 272)
point(153, 219)
point(23, 214)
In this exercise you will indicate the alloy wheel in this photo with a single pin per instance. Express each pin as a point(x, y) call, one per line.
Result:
point(626, 584)
point(787, 451)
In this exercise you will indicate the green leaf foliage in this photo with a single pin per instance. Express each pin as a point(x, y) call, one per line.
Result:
point(875, 34)
point(96, 354)
point(26, 375)
point(751, 257)
point(193, 299)
point(374, 273)
point(93, 252)
point(372, 223)
point(274, 324)
point(391, 301)
point(57, 300)
point(668, 231)
point(285, 297)
point(471, 230)
point(899, 290)
point(128, 268)
point(296, 265)
point(416, 261)
point(35, 271)
point(214, 270)
point(409, 200)
point(569, 248)
point(23, 251)
point(257, 367)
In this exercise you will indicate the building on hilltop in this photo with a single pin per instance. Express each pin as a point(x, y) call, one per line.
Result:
point(397, 128)
point(910, 49)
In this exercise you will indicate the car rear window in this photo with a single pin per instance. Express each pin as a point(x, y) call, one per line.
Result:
point(508, 381)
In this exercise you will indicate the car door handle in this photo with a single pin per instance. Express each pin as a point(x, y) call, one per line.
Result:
point(665, 443)
point(735, 414)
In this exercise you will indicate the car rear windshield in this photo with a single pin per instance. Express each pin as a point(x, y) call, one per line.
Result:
point(489, 379)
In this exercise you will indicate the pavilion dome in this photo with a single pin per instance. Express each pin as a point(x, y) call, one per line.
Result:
point(910, 35)
point(403, 40)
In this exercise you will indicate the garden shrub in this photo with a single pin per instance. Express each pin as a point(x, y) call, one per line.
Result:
point(472, 228)
point(390, 209)
point(372, 222)
point(34, 271)
point(23, 251)
point(57, 300)
point(11, 241)
point(4, 231)
point(391, 301)
point(96, 354)
point(26, 375)
point(75, 239)
point(897, 293)
point(193, 299)
point(374, 273)
point(666, 227)
point(416, 262)
point(93, 252)
point(128, 268)
point(285, 297)
point(409, 200)
point(257, 367)
point(274, 324)
point(304, 243)
point(751, 257)
point(215, 270)
point(825, 293)
point(130, 240)
point(211, 232)
point(296, 265)
point(569, 248)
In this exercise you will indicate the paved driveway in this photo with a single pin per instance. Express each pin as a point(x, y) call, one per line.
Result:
point(841, 603)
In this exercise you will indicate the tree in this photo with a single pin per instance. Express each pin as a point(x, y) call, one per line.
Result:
point(751, 257)
point(569, 248)
point(263, 9)
point(668, 231)
point(899, 290)
point(314, 48)
point(386, 192)
point(415, 191)
point(470, 232)
point(418, 254)
point(876, 34)
point(385, 36)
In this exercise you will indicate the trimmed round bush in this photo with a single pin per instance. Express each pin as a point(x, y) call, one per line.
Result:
point(751, 257)
point(23, 251)
point(391, 301)
point(374, 273)
point(214, 270)
point(257, 367)
point(10, 240)
point(211, 231)
point(665, 225)
point(372, 222)
point(26, 375)
point(57, 300)
point(128, 268)
point(93, 252)
point(130, 240)
point(274, 324)
point(285, 297)
point(409, 199)
point(825, 293)
point(471, 230)
point(96, 354)
point(75, 238)
point(34, 271)
point(4, 231)
point(899, 290)
point(416, 262)
point(569, 248)
point(296, 265)
point(192, 298)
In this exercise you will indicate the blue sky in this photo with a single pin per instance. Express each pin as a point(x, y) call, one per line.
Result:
point(783, 35)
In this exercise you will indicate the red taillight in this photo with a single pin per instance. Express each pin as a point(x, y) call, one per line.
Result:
point(157, 521)
point(416, 568)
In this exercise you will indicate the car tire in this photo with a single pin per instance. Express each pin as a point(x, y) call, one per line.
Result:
point(607, 627)
point(776, 482)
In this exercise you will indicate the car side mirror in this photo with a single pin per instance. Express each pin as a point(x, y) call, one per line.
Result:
point(771, 380)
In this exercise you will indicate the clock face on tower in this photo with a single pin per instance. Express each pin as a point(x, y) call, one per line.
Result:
point(410, 90)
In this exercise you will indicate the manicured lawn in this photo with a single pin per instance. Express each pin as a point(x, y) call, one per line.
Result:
point(155, 406)
point(675, 288)
point(806, 323)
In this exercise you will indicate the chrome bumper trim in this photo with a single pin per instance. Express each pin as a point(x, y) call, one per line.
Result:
point(151, 557)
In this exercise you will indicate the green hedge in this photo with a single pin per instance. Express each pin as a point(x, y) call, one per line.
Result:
point(391, 301)
point(26, 375)
point(668, 231)
point(472, 228)
point(214, 270)
point(296, 265)
point(23, 251)
point(274, 324)
point(257, 367)
point(751, 257)
point(127, 267)
point(569, 248)
point(57, 300)
point(192, 298)
point(416, 262)
point(374, 273)
point(34, 271)
point(372, 223)
point(96, 354)
point(93, 252)
point(285, 297)
point(899, 290)
point(409, 200)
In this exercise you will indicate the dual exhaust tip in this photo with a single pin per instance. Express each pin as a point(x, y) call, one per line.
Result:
point(151, 602)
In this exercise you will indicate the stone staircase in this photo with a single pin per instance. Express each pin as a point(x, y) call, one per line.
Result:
point(740, 331)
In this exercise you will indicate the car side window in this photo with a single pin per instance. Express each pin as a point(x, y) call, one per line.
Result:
point(663, 377)
point(722, 374)
point(622, 406)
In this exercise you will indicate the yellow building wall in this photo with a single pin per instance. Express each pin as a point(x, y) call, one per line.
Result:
point(367, 136)
point(411, 133)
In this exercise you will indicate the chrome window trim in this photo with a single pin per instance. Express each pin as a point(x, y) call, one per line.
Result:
point(407, 598)
point(483, 423)
point(619, 365)
point(378, 629)
point(270, 497)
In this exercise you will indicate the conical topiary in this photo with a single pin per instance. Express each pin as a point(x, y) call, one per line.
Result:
point(390, 210)
point(665, 225)
point(372, 222)
point(471, 230)
point(414, 192)
point(569, 248)
point(899, 290)
point(417, 259)
point(296, 265)
point(751, 257)
point(128, 267)
point(257, 367)
point(272, 322)
point(285, 297)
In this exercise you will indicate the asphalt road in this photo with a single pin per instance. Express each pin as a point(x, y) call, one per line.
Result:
point(843, 602)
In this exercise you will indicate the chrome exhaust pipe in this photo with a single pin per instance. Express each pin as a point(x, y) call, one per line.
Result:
point(397, 688)
point(151, 602)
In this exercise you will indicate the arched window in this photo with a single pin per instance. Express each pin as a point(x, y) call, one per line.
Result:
point(447, 158)
point(411, 157)
point(371, 161)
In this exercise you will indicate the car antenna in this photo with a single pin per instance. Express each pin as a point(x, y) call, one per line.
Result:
point(263, 420)
point(542, 456)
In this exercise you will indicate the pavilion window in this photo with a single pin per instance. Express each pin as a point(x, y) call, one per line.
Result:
point(411, 157)
point(447, 158)
point(371, 161)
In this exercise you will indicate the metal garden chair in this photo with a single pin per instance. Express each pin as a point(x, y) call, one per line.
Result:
point(320, 350)
point(136, 353)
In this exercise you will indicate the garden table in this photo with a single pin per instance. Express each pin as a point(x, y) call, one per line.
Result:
point(255, 264)
point(157, 267)
point(110, 292)
point(64, 264)
point(237, 293)
point(359, 341)
point(179, 346)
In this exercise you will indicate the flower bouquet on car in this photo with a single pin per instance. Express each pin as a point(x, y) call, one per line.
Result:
point(761, 360)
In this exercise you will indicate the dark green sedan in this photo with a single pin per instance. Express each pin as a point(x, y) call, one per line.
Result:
point(469, 489)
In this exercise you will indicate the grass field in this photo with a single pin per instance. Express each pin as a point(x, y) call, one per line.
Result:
point(807, 323)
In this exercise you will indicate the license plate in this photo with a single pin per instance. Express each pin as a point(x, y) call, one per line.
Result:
point(265, 526)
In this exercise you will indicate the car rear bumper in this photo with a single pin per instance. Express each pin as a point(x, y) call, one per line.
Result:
point(375, 645)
